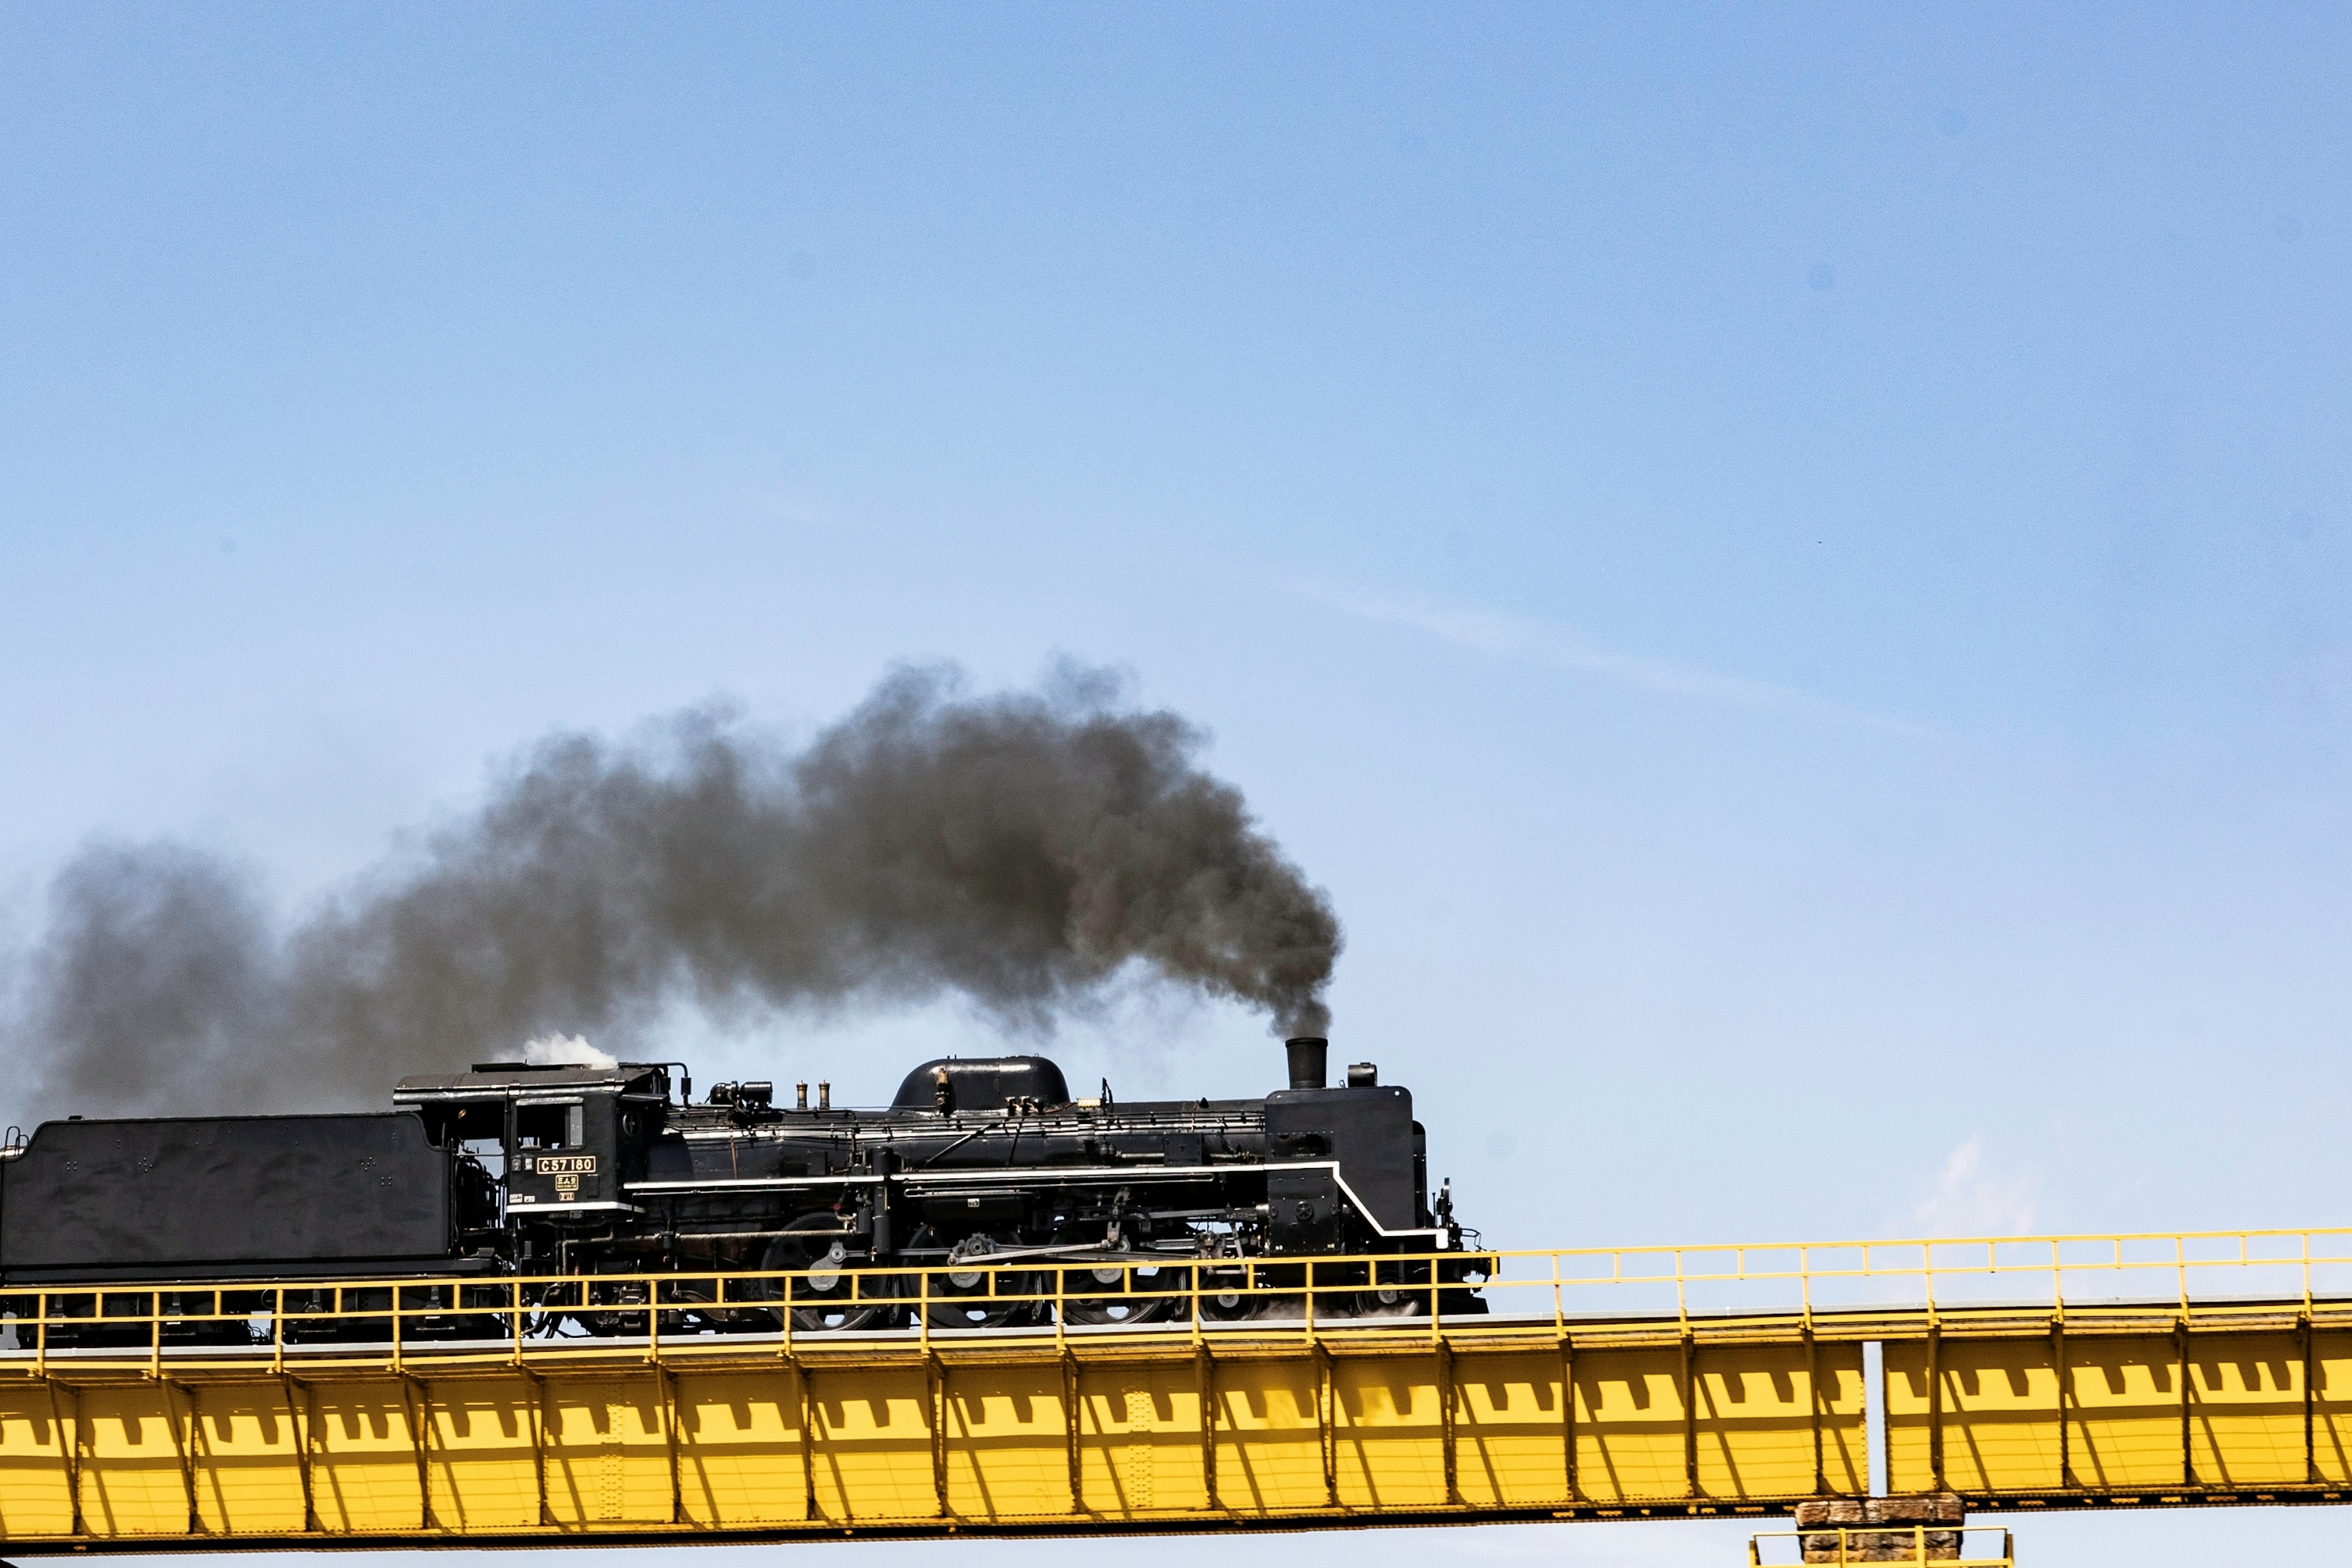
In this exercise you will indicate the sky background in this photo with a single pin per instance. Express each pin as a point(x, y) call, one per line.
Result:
point(1788, 572)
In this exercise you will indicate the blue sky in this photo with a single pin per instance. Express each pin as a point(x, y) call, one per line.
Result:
point(1789, 571)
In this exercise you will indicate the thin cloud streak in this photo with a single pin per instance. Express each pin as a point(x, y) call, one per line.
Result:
point(1969, 1200)
point(1535, 642)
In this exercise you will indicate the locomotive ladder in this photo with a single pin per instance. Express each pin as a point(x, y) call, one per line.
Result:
point(2081, 1371)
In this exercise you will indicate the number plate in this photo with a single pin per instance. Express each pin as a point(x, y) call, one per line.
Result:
point(567, 1164)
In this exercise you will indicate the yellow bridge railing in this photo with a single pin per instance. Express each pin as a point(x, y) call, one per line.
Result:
point(1012, 1298)
point(2184, 1269)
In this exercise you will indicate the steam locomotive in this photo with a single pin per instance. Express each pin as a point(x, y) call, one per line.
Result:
point(977, 1170)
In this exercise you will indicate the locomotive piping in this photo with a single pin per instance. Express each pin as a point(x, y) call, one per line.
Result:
point(1060, 1175)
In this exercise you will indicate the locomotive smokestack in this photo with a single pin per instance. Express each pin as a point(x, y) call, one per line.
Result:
point(1309, 1054)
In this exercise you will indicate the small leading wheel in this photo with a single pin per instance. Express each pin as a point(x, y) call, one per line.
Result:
point(1400, 1287)
point(826, 1291)
point(1226, 1297)
point(1391, 1301)
point(1140, 1293)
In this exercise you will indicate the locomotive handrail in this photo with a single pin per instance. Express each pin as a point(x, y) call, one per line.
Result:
point(1840, 1288)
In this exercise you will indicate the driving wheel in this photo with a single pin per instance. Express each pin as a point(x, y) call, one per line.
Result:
point(827, 1292)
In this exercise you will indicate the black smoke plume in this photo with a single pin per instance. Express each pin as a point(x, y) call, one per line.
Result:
point(1025, 851)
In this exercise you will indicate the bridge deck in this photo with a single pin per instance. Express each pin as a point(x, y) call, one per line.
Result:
point(2139, 1377)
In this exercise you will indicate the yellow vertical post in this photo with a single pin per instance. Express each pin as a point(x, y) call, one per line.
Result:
point(808, 1436)
point(669, 1436)
point(538, 1442)
point(1204, 1379)
point(1935, 1401)
point(1690, 1412)
point(1325, 1422)
point(2188, 1417)
point(420, 1431)
point(2058, 1365)
point(1070, 1431)
point(2310, 1377)
point(934, 1376)
point(1567, 1412)
point(785, 1290)
point(2310, 1384)
point(301, 1416)
point(1813, 1405)
point(183, 1444)
point(71, 1454)
point(1445, 1415)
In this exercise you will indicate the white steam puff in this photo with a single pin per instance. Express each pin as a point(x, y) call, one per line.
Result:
point(566, 1050)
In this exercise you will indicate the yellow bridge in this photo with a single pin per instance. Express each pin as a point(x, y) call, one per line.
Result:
point(2068, 1371)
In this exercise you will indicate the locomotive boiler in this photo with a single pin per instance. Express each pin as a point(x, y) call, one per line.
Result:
point(977, 1170)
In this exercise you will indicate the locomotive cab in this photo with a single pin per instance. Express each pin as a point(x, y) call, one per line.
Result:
point(563, 1140)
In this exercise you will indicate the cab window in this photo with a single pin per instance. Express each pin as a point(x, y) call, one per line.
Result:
point(551, 1126)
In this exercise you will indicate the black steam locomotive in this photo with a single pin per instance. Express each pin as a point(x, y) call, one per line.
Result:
point(977, 1170)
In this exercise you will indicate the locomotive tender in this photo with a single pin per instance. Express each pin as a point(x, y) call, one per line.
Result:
point(978, 1168)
